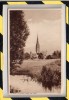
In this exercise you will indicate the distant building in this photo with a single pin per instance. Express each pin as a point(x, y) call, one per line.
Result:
point(38, 54)
point(37, 46)
point(33, 55)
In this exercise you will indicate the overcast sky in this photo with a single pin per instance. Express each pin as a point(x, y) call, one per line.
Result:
point(47, 25)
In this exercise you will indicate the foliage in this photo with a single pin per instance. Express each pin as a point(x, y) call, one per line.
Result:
point(18, 34)
point(40, 56)
point(50, 77)
point(56, 54)
point(26, 55)
point(49, 57)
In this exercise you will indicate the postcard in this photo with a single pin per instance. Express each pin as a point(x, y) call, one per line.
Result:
point(34, 48)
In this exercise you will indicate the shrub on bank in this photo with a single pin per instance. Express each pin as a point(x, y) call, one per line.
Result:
point(50, 78)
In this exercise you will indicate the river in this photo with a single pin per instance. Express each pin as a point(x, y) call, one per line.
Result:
point(27, 85)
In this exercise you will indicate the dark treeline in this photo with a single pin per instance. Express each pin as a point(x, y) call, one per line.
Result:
point(55, 55)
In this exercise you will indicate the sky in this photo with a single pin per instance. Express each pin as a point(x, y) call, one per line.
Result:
point(47, 25)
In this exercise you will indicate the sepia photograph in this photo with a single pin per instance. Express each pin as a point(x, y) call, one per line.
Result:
point(35, 51)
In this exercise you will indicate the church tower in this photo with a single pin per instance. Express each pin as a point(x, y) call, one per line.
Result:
point(37, 46)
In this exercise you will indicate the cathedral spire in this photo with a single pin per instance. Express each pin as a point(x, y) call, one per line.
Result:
point(37, 46)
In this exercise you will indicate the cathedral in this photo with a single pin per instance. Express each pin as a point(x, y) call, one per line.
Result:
point(37, 49)
point(37, 53)
point(37, 46)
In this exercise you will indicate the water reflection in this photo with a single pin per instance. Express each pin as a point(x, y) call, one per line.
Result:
point(28, 85)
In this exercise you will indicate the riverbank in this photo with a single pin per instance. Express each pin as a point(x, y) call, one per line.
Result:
point(47, 72)
point(23, 84)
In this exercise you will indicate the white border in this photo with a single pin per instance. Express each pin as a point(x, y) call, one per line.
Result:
point(63, 51)
point(5, 79)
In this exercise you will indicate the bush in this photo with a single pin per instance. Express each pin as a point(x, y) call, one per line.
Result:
point(56, 54)
point(40, 56)
point(50, 78)
point(56, 78)
point(49, 57)
point(26, 56)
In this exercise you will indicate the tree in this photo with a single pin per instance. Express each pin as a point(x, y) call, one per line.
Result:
point(49, 57)
point(40, 56)
point(18, 34)
point(56, 54)
point(27, 55)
